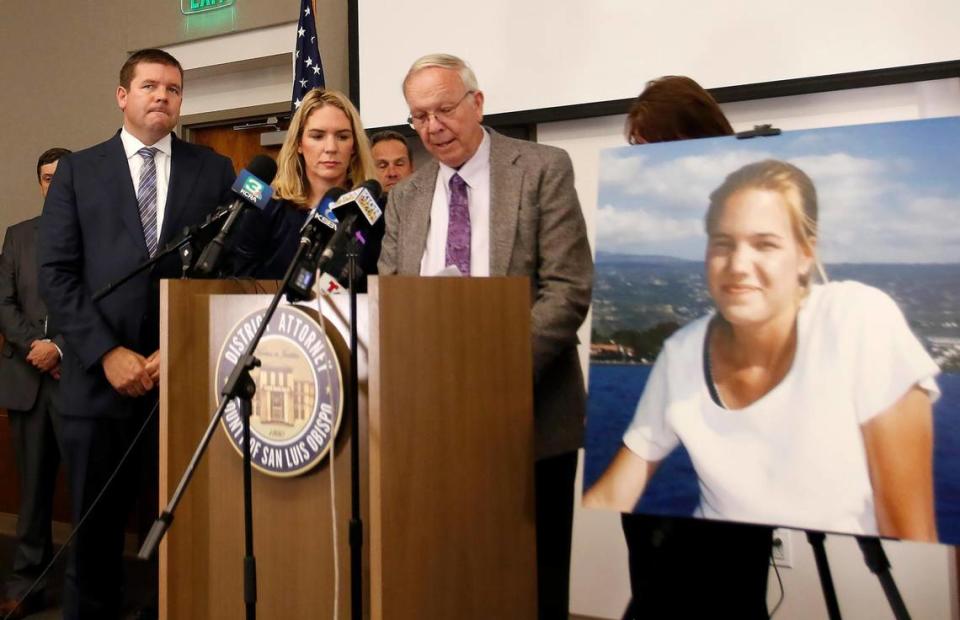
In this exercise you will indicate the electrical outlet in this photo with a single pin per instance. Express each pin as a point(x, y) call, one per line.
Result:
point(782, 548)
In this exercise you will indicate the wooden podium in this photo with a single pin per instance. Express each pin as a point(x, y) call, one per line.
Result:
point(446, 438)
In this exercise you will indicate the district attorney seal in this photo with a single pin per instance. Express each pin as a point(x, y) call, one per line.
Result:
point(298, 407)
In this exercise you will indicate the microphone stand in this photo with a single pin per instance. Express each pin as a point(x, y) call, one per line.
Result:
point(356, 522)
point(239, 385)
point(185, 246)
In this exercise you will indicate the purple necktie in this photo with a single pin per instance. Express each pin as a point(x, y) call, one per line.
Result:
point(458, 226)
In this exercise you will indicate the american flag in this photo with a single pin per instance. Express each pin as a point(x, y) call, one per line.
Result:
point(308, 70)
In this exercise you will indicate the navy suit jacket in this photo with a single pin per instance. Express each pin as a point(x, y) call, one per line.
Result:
point(90, 236)
point(23, 316)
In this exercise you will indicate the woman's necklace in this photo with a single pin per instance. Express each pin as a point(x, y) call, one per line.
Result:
point(776, 369)
point(714, 388)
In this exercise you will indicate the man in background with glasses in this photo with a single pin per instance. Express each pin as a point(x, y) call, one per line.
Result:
point(495, 206)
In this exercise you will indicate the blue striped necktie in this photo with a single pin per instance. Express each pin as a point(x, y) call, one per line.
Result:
point(147, 198)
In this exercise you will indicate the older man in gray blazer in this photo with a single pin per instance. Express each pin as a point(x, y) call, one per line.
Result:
point(494, 206)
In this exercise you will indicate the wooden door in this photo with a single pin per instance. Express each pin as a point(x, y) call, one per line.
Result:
point(240, 145)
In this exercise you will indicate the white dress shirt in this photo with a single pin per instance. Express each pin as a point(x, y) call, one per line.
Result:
point(162, 159)
point(476, 173)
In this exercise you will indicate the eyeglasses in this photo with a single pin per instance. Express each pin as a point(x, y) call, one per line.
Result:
point(442, 114)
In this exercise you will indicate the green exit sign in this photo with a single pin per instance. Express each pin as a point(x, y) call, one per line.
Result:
point(189, 7)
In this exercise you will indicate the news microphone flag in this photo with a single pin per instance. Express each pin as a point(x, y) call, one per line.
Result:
point(364, 200)
point(251, 188)
point(308, 69)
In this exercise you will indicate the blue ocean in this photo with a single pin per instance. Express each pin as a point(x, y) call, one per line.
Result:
point(616, 388)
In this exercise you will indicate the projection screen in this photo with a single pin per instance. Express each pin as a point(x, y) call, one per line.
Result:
point(542, 54)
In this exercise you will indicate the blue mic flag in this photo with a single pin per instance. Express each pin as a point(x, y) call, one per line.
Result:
point(254, 190)
point(308, 69)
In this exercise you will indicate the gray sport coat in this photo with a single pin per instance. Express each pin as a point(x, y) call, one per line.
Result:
point(536, 230)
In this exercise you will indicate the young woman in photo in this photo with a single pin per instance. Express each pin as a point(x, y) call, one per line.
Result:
point(800, 404)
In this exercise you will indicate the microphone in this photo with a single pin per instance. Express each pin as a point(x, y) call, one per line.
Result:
point(252, 188)
point(322, 219)
point(356, 212)
point(372, 241)
point(314, 235)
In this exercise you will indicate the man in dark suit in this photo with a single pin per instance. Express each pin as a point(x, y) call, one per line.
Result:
point(496, 206)
point(109, 209)
point(29, 372)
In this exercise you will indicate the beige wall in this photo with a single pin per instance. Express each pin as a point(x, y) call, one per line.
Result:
point(59, 63)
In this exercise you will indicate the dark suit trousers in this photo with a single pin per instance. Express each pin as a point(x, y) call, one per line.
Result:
point(554, 478)
point(93, 447)
point(696, 568)
point(35, 444)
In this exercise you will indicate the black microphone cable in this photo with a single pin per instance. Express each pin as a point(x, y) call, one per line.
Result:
point(93, 505)
point(783, 594)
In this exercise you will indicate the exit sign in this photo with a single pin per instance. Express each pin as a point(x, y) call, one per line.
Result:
point(189, 7)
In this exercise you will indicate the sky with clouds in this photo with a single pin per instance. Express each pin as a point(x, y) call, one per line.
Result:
point(888, 192)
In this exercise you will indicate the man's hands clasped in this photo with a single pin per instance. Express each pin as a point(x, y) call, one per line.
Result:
point(130, 373)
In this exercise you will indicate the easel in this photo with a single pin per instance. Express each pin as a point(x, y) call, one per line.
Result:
point(875, 559)
point(871, 547)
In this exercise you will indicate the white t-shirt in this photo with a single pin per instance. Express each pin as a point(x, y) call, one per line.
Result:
point(794, 457)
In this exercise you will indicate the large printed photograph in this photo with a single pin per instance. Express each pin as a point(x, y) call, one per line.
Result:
point(776, 331)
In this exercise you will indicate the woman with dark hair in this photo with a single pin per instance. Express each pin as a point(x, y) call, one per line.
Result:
point(689, 567)
point(325, 147)
point(674, 107)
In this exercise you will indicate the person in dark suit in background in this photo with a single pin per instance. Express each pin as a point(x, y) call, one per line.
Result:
point(109, 209)
point(29, 374)
point(496, 206)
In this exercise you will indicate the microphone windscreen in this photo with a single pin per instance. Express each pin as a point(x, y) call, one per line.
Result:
point(263, 167)
point(333, 194)
point(373, 186)
point(365, 199)
point(323, 211)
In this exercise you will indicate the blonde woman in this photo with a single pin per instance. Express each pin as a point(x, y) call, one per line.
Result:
point(800, 404)
point(325, 147)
